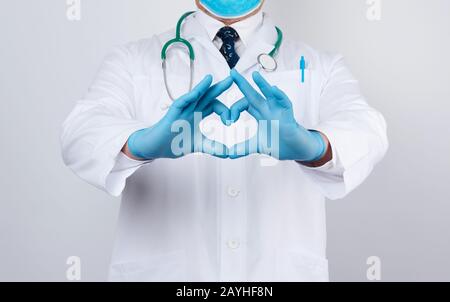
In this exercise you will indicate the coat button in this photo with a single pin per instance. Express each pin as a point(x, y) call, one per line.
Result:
point(233, 244)
point(233, 192)
point(165, 106)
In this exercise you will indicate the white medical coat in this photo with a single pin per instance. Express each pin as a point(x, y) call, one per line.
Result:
point(200, 218)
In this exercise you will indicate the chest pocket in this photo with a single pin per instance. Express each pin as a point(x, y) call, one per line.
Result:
point(302, 96)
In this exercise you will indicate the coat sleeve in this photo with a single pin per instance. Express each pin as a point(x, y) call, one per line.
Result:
point(98, 127)
point(356, 131)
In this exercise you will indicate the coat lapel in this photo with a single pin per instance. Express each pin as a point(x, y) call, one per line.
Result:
point(194, 31)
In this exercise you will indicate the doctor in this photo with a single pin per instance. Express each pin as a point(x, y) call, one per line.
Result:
point(219, 212)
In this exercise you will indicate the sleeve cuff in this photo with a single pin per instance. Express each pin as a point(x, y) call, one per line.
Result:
point(331, 165)
point(329, 177)
point(124, 168)
point(123, 162)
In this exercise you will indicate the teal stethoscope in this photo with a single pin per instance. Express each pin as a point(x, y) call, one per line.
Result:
point(265, 60)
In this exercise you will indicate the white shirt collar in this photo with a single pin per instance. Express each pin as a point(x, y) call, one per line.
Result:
point(244, 28)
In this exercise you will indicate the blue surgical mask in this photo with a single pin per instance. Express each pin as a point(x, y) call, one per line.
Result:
point(230, 9)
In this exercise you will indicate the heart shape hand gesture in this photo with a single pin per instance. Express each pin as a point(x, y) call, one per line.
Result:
point(178, 133)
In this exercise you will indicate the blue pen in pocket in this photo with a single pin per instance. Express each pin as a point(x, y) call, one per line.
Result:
point(302, 68)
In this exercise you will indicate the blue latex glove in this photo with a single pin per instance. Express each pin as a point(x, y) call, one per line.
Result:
point(295, 142)
point(156, 142)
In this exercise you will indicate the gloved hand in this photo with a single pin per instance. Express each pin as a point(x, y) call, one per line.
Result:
point(156, 142)
point(295, 142)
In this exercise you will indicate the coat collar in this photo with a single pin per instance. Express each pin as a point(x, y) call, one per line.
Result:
point(262, 41)
point(245, 28)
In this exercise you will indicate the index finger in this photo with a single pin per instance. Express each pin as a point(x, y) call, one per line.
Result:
point(263, 85)
point(213, 92)
point(219, 88)
point(193, 95)
point(188, 99)
point(249, 92)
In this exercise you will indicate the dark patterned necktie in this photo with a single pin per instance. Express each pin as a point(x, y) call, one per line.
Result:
point(229, 36)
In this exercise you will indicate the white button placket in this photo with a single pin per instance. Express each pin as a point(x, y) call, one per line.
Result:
point(233, 225)
point(233, 221)
point(232, 210)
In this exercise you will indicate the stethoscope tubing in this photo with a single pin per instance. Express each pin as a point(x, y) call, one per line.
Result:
point(190, 48)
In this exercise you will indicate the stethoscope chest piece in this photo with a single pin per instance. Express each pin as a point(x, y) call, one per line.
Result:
point(267, 62)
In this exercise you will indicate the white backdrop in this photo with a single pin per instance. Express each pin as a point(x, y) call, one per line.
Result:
point(401, 214)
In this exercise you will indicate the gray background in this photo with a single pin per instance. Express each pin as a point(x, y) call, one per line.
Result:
point(400, 214)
